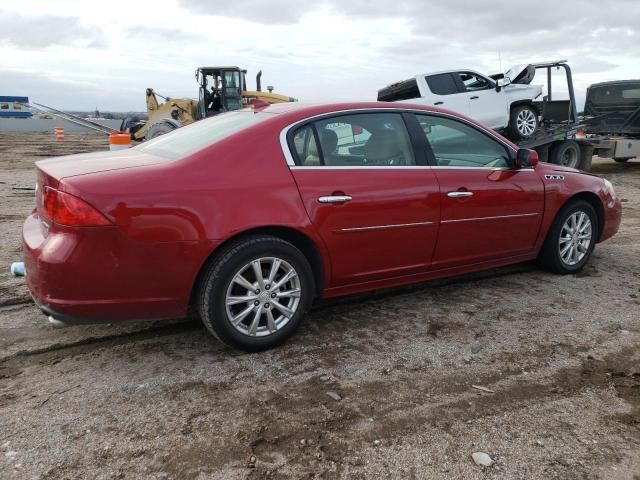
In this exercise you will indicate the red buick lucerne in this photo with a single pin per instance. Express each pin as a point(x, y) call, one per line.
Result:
point(252, 215)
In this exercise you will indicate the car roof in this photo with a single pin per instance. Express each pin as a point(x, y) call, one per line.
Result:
point(291, 112)
point(449, 70)
point(439, 72)
point(304, 109)
point(615, 82)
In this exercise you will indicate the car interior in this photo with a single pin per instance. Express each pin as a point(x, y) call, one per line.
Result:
point(455, 144)
point(382, 140)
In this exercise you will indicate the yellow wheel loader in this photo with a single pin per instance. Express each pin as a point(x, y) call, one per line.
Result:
point(222, 89)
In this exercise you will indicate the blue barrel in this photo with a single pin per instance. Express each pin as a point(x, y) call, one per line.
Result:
point(17, 269)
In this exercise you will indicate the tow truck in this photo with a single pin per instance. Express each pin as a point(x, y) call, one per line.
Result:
point(612, 119)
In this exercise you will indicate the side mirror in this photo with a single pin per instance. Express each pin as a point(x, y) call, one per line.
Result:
point(526, 158)
point(502, 82)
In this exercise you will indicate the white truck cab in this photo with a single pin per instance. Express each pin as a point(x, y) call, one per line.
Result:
point(501, 102)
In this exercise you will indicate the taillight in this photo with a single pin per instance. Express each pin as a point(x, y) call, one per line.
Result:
point(65, 209)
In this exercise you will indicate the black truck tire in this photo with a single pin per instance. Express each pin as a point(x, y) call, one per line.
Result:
point(586, 156)
point(565, 153)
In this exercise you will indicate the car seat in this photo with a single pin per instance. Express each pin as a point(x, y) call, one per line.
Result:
point(384, 148)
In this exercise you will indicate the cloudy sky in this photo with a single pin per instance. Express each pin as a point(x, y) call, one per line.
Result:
point(76, 54)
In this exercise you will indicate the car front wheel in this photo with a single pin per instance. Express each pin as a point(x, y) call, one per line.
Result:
point(254, 294)
point(571, 238)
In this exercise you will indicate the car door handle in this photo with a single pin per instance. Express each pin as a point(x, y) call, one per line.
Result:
point(438, 103)
point(459, 194)
point(475, 97)
point(334, 199)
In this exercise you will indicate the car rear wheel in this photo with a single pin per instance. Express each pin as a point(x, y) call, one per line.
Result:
point(571, 238)
point(254, 294)
point(523, 122)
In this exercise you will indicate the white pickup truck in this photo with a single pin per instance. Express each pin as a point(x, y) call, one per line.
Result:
point(502, 102)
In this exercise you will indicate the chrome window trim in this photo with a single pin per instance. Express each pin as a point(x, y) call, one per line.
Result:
point(497, 217)
point(406, 167)
point(364, 167)
point(385, 227)
point(291, 162)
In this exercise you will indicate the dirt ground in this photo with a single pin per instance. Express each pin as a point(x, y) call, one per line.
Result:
point(559, 355)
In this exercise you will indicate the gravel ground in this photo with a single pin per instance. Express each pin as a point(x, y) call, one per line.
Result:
point(377, 386)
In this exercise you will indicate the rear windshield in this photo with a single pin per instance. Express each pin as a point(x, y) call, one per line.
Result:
point(615, 94)
point(187, 140)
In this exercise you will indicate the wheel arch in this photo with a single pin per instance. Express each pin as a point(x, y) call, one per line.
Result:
point(296, 237)
point(524, 101)
point(594, 201)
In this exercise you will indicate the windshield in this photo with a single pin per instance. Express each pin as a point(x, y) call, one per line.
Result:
point(187, 140)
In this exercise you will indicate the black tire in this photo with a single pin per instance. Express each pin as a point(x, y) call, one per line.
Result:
point(158, 129)
point(523, 122)
point(586, 156)
point(216, 279)
point(565, 153)
point(622, 160)
point(550, 256)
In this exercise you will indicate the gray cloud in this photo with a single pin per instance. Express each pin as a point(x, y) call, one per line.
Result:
point(456, 18)
point(64, 94)
point(161, 34)
point(45, 30)
point(521, 30)
point(381, 42)
point(272, 12)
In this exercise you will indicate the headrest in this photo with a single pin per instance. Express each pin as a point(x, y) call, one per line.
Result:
point(382, 147)
point(328, 141)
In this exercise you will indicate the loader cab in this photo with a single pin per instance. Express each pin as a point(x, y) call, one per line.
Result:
point(220, 89)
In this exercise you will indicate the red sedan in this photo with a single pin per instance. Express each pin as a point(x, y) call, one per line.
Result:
point(252, 215)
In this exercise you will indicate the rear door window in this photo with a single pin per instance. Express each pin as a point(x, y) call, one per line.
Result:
point(442, 84)
point(359, 140)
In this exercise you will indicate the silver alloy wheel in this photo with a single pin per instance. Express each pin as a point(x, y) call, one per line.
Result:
point(526, 122)
point(575, 238)
point(263, 296)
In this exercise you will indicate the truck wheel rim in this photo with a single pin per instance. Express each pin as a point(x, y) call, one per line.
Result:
point(262, 296)
point(526, 122)
point(575, 238)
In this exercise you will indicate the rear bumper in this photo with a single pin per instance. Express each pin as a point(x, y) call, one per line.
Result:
point(98, 274)
point(612, 219)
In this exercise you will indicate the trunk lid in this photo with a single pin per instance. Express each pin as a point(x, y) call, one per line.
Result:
point(85, 163)
point(52, 171)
